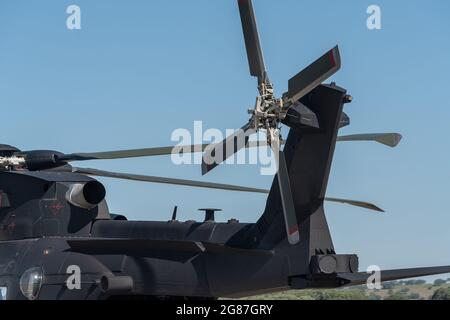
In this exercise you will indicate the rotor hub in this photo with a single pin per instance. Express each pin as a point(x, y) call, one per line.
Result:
point(268, 111)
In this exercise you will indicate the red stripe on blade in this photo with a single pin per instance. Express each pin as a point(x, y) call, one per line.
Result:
point(332, 58)
point(293, 230)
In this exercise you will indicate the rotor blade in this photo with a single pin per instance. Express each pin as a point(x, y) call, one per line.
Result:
point(389, 139)
point(355, 203)
point(217, 153)
point(144, 178)
point(284, 184)
point(121, 154)
point(252, 43)
point(312, 76)
point(190, 183)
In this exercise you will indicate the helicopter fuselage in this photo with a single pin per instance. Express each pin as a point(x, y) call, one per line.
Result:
point(40, 228)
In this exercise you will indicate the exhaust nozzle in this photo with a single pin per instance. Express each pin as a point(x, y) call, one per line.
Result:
point(86, 195)
point(116, 285)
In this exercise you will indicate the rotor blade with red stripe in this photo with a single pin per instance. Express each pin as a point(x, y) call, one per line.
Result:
point(284, 184)
point(312, 76)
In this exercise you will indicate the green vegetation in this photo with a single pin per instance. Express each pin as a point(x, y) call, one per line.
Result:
point(393, 290)
point(441, 294)
point(316, 295)
point(439, 282)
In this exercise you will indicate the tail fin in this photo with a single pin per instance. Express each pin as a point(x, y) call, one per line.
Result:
point(309, 155)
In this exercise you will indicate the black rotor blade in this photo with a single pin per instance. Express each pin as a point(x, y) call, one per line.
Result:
point(389, 139)
point(290, 216)
point(120, 154)
point(252, 43)
point(200, 184)
point(313, 75)
point(181, 182)
point(217, 153)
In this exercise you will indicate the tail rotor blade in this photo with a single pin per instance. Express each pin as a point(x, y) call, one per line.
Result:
point(312, 76)
point(290, 216)
point(215, 154)
point(252, 44)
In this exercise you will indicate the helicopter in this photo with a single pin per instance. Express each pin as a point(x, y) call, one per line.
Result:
point(55, 223)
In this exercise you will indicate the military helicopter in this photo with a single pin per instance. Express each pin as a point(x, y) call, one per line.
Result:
point(54, 218)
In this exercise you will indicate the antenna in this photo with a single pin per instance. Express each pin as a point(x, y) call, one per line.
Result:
point(174, 214)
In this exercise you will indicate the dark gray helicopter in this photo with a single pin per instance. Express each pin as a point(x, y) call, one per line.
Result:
point(55, 222)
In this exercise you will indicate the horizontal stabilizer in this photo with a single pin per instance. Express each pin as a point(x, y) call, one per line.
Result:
point(390, 275)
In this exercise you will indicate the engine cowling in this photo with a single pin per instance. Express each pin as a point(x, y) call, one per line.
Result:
point(41, 159)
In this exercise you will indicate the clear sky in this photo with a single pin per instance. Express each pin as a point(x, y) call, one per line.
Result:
point(137, 70)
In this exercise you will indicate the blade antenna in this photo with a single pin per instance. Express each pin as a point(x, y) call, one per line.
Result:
point(174, 213)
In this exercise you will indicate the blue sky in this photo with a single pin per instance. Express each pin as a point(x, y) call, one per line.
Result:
point(137, 70)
